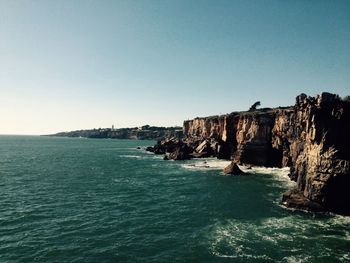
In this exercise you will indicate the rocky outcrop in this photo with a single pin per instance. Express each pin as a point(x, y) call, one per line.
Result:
point(296, 200)
point(312, 138)
point(233, 168)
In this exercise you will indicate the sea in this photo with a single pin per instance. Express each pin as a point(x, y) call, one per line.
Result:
point(104, 200)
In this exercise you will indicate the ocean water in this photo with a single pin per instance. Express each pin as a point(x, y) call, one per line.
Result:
point(98, 200)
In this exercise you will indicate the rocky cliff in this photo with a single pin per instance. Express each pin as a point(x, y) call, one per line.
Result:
point(245, 137)
point(319, 153)
point(312, 138)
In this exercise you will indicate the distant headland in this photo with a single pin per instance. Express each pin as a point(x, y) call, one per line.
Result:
point(145, 132)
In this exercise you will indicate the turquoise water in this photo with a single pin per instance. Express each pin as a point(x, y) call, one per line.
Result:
point(91, 200)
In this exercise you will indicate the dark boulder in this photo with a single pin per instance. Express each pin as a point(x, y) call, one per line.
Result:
point(181, 153)
point(149, 149)
point(159, 149)
point(167, 145)
point(233, 168)
point(295, 199)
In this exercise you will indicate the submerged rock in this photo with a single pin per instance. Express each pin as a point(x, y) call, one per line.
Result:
point(233, 168)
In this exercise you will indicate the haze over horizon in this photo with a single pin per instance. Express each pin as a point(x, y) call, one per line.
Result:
point(89, 64)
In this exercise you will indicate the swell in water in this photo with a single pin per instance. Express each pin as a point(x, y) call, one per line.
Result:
point(91, 200)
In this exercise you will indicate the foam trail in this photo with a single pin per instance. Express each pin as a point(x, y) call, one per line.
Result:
point(205, 163)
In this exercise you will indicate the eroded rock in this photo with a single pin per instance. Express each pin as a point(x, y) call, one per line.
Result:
point(233, 168)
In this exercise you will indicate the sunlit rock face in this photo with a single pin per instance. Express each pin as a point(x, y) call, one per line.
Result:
point(245, 137)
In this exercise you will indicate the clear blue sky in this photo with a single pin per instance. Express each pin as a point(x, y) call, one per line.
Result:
point(67, 65)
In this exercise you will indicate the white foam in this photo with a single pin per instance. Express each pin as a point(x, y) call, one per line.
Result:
point(340, 220)
point(214, 163)
point(205, 163)
point(131, 156)
point(236, 237)
point(243, 256)
point(294, 259)
point(280, 174)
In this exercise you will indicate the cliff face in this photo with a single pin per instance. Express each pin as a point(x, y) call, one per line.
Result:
point(217, 127)
point(320, 151)
point(245, 137)
point(220, 129)
point(312, 138)
point(253, 135)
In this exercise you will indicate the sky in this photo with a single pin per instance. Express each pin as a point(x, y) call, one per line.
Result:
point(68, 65)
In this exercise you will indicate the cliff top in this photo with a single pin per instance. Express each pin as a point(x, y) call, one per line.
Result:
point(254, 112)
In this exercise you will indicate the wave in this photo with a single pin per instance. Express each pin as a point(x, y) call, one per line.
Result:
point(236, 238)
point(280, 175)
point(205, 163)
point(131, 156)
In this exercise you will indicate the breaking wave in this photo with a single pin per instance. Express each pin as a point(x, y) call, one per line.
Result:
point(272, 240)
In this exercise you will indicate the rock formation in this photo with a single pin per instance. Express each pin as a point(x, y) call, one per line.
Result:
point(319, 151)
point(233, 168)
point(312, 138)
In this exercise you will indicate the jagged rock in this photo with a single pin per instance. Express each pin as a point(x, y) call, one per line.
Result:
point(219, 130)
point(167, 145)
point(204, 149)
point(181, 153)
point(203, 146)
point(159, 149)
point(295, 199)
point(233, 168)
point(149, 149)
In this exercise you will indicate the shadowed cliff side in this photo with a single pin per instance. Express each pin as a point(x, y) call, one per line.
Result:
point(319, 153)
